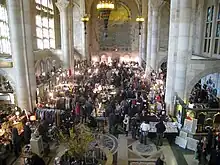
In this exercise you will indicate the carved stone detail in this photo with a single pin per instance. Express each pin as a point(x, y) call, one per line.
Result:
point(156, 3)
point(62, 5)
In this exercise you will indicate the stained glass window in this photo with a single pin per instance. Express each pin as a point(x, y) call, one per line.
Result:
point(45, 24)
point(5, 46)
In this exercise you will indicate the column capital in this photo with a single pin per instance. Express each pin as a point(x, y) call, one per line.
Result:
point(155, 4)
point(62, 5)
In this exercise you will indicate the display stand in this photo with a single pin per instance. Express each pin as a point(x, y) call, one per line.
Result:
point(184, 140)
point(37, 146)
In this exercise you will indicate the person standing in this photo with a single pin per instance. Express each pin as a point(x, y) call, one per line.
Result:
point(161, 128)
point(27, 133)
point(126, 124)
point(134, 128)
point(144, 128)
point(16, 142)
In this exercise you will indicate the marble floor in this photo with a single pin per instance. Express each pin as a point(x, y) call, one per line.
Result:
point(130, 152)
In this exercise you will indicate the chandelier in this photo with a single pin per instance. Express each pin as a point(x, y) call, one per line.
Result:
point(105, 7)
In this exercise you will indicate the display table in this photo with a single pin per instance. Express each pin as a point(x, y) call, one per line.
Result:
point(170, 133)
point(170, 127)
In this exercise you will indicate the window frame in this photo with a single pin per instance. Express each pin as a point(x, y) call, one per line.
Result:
point(5, 44)
point(46, 14)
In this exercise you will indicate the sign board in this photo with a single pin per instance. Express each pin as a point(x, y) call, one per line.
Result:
point(181, 142)
point(183, 134)
point(192, 144)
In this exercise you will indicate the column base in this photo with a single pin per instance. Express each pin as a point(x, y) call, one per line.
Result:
point(170, 109)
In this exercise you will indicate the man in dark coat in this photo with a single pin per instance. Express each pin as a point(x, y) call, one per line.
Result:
point(161, 128)
point(27, 133)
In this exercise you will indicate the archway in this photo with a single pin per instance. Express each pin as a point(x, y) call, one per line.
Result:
point(194, 80)
point(206, 91)
point(6, 90)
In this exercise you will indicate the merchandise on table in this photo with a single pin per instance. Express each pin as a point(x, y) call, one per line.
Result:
point(170, 127)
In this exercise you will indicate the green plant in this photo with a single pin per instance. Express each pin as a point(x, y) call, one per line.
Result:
point(79, 140)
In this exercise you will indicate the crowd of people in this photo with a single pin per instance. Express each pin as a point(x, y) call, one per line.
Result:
point(204, 95)
point(118, 95)
point(208, 149)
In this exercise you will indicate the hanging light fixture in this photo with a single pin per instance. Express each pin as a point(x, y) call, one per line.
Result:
point(85, 19)
point(105, 7)
point(140, 20)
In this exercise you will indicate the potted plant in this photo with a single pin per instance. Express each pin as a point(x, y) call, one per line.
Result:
point(77, 142)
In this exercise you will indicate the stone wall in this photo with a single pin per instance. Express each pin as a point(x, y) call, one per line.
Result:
point(164, 27)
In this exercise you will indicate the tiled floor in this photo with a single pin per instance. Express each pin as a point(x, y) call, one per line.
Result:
point(130, 152)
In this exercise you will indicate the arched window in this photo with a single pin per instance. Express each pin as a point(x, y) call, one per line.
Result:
point(5, 46)
point(45, 24)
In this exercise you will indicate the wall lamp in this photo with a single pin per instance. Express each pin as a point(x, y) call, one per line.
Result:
point(140, 20)
point(85, 19)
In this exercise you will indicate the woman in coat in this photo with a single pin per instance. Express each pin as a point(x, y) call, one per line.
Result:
point(126, 123)
point(16, 142)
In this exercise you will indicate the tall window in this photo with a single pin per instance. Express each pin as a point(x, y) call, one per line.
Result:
point(208, 29)
point(5, 46)
point(217, 33)
point(45, 24)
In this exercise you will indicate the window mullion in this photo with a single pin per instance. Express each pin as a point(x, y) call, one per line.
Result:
point(213, 30)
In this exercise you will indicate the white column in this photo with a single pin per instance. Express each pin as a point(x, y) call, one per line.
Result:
point(87, 38)
point(172, 50)
point(149, 35)
point(29, 49)
point(193, 27)
point(20, 27)
point(144, 29)
point(199, 27)
point(140, 51)
point(84, 35)
point(155, 31)
point(183, 52)
point(71, 34)
point(62, 5)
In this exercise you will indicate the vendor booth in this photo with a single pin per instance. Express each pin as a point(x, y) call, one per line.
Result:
point(205, 117)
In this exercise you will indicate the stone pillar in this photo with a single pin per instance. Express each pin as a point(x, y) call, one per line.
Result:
point(172, 50)
point(155, 31)
point(62, 5)
point(199, 27)
point(149, 35)
point(70, 29)
point(144, 29)
point(23, 58)
point(140, 51)
point(84, 35)
point(193, 27)
point(29, 49)
point(183, 47)
point(87, 36)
